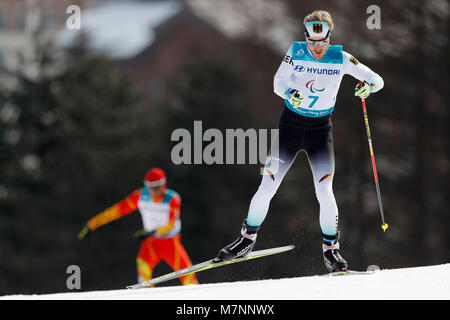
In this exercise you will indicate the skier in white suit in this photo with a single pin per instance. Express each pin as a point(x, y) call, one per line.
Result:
point(308, 81)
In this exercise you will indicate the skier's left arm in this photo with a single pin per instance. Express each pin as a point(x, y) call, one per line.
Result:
point(174, 213)
point(361, 72)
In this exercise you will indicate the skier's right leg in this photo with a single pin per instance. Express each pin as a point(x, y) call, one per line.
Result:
point(274, 171)
point(146, 260)
point(281, 157)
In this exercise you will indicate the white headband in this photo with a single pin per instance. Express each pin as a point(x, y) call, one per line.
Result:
point(317, 29)
point(158, 183)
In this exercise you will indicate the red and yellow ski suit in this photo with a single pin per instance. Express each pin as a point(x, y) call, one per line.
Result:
point(161, 215)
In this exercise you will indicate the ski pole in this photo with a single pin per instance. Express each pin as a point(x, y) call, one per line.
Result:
point(384, 225)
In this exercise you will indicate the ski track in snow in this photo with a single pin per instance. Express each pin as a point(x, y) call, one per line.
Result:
point(419, 283)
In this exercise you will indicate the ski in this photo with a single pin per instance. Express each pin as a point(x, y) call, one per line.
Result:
point(210, 264)
point(349, 273)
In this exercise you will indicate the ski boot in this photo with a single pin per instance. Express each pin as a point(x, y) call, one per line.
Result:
point(242, 246)
point(331, 254)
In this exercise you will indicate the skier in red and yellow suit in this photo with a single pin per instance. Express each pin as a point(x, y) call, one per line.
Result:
point(160, 211)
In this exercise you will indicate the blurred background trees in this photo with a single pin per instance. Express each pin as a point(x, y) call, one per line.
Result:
point(78, 133)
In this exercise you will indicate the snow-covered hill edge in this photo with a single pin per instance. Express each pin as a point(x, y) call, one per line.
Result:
point(421, 283)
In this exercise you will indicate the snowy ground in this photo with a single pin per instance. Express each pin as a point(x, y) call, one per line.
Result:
point(421, 283)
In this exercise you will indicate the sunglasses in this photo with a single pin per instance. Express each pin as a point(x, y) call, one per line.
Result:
point(318, 42)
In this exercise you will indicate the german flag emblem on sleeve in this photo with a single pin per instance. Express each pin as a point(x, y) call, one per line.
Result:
point(325, 177)
point(354, 60)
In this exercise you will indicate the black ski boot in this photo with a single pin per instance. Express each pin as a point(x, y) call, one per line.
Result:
point(331, 254)
point(242, 246)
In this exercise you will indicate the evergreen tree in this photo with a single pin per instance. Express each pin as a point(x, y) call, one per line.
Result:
point(75, 139)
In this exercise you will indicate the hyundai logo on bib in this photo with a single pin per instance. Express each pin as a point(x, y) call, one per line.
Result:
point(329, 72)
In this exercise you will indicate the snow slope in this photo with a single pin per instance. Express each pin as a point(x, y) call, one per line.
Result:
point(428, 283)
